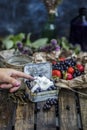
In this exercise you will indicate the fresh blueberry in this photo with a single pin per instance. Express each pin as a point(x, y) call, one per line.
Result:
point(55, 101)
point(48, 107)
point(36, 91)
point(48, 101)
point(49, 89)
point(52, 87)
point(44, 108)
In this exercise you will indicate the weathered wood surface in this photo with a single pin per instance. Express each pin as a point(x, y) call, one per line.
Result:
point(24, 117)
point(72, 114)
point(6, 112)
point(83, 106)
point(67, 110)
point(32, 120)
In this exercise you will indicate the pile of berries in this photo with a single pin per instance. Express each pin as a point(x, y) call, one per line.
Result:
point(48, 105)
point(67, 68)
point(52, 46)
point(38, 90)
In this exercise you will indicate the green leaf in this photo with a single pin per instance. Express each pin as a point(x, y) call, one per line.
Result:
point(39, 43)
point(18, 37)
point(7, 38)
point(11, 40)
point(63, 42)
point(28, 42)
point(8, 44)
point(77, 49)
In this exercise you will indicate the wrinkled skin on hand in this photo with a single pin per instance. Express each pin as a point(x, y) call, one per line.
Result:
point(10, 79)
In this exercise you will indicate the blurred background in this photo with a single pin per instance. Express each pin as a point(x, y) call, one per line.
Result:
point(31, 15)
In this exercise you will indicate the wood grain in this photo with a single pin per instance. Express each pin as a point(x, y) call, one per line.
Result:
point(83, 106)
point(6, 112)
point(67, 110)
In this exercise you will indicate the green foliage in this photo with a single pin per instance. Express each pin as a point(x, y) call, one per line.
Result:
point(39, 43)
point(64, 43)
point(11, 40)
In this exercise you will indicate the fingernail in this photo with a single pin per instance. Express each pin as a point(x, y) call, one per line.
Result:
point(17, 84)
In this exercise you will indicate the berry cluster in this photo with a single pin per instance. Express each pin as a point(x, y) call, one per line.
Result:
point(49, 103)
point(28, 84)
point(38, 90)
point(29, 50)
point(52, 46)
point(24, 49)
point(67, 68)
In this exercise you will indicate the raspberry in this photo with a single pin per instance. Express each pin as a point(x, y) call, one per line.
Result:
point(80, 67)
point(69, 76)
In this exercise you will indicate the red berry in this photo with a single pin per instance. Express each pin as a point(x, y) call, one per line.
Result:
point(70, 70)
point(54, 62)
point(57, 73)
point(61, 59)
point(80, 67)
point(69, 76)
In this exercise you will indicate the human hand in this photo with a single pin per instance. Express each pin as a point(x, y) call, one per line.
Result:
point(10, 78)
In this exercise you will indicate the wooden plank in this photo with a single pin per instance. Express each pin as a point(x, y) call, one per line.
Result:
point(46, 119)
point(67, 110)
point(25, 117)
point(28, 119)
point(6, 112)
point(83, 106)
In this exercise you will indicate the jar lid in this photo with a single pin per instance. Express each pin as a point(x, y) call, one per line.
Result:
point(37, 69)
